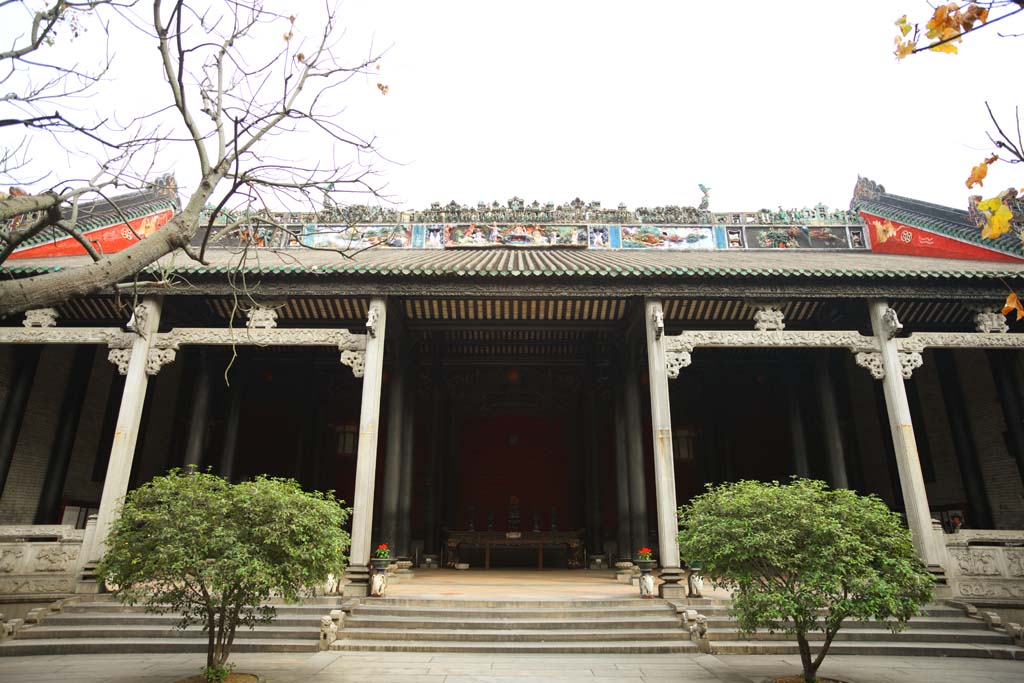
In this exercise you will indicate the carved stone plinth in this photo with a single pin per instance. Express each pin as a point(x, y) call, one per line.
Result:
point(358, 581)
point(672, 585)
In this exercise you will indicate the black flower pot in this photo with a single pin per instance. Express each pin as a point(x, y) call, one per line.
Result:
point(380, 564)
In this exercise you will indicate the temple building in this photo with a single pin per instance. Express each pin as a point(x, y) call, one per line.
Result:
point(530, 385)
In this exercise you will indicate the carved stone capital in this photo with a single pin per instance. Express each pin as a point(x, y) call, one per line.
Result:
point(872, 362)
point(676, 361)
point(768, 317)
point(40, 317)
point(137, 323)
point(990, 321)
point(261, 318)
point(658, 323)
point(371, 322)
point(891, 325)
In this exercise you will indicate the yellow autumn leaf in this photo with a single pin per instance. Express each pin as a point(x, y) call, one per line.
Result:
point(998, 217)
point(948, 48)
point(1012, 304)
point(978, 174)
point(383, 88)
point(902, 25)
point(904, 49)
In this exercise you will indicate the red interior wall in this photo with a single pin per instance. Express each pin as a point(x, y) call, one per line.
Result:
point(523, 456)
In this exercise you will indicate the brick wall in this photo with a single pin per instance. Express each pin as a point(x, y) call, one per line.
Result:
point(870, 434)
point(999, 470)
point(947, 490)
point(79, 486)
point(28, 466)
point(161, 422)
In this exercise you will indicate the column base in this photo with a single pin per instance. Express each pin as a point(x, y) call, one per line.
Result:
point(357, 581)
point(671, 586)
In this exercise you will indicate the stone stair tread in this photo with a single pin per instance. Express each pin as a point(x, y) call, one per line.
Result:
point(152, 645)
point(603, 647)
point(873, 648)
point(521, 632)
point(364, 621)
point(44, 630)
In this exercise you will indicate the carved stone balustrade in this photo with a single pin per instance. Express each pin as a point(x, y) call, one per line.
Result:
point(38, 562)
point(990, 573)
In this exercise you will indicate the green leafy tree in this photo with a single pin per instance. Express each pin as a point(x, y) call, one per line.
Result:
point(195, 544)
point(800, 557)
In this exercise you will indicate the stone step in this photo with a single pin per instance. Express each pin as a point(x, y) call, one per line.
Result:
point(78, 646)
point(132, 632)
point(603, 647)
point(516, 604)
point(525, 623)
point(962, 623)
point(580, 614)
point(945, 649)
point(111, 607)
point(581, 635)
point(875, 635)
point(80, 619)
point(723, 609)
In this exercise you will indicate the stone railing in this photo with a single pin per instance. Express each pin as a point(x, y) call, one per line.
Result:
point(39, 562)
point(985, 566)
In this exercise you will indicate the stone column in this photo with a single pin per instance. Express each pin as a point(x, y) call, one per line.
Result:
point(591, 466)
point(405, 489)
point(623, 535)
point(915, 496)
point(835, 458)
point(392, 487)
point(801, 467)
point(1003, 365)
point(637, 474)
point(664, 465)
point(26, 361)
point(129, 417)
point(232, 421)
point(200, 412)
point(64, 439)
point(432, 482)
point(979, 512)
point(357, 571)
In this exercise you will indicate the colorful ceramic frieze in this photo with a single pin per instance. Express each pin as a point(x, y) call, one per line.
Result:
point(518, 235)
point(796, 237)
point(667, 237)
point(356, 236)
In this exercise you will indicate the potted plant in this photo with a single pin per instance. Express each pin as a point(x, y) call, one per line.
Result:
point(644, 560)
point(381, 557)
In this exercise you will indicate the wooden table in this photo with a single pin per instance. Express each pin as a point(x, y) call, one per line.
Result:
point(526, 539)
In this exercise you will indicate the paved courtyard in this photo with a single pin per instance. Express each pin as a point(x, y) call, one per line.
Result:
point(336, 667)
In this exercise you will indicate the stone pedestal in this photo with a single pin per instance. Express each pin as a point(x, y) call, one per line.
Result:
point(672, 585)
point(358, 581)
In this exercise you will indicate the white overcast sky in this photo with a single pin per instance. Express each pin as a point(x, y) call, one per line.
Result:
point(769, 104)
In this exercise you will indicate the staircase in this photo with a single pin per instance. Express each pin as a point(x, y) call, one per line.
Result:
point(628, 626)
point(104, 625)
point(942, 631)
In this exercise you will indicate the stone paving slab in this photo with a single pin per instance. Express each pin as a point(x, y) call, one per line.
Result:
point(334, 667)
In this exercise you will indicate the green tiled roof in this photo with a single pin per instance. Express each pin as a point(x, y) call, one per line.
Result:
point(500, 262)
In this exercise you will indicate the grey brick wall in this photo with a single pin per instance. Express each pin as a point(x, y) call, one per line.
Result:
point(947, 489)
point(28, 466)
point(79, 486)
point(875, 469)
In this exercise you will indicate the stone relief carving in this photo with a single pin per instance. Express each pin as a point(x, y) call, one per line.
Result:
point(855, 341)
point(919, 341)
point(54, 558)
point(990, 321)
point(355, 360)
point(769, 317)
point(40, 317)
point(64, 335)
point(120, 358)
point(910, 362)
point(24, 585)
point(1014, 561)
point(223, 336)
point(872, 362)
point(974, 562)
point(991, 590)
point(9, 558)
point(157, 358)
point(261, 317)
point(891, 325)
point(18, 532)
